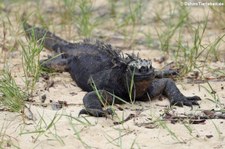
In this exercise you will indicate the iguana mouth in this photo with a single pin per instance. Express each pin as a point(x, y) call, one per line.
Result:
point(145, 76)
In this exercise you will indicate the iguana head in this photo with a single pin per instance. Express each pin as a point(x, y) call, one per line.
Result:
point(141, 69)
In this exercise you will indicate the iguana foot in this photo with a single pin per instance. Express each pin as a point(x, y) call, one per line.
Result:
point(96, 112)
point(185, 101)
point(168, 88)
point(94, 104)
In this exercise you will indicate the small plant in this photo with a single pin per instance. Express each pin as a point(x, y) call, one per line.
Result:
point(5, 139)
point(176, 18)
point(218, 13)
point(168, 33)
point(212, 48)
point(69, 7)
point(43, 127)
point(77, 121)
point(31, 64)
point(135, 13)
point(118, 140)
point(115, 141)
point(214, 97)
point(112, 8)
point(219, 132)
point(148, 39)
point(83, 20)
point(189, 54)
point(12, 97)
point(164, 125)
point(128, 20)
point(85, 122)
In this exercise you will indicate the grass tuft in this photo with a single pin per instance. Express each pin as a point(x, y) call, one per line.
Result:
point(11, 94)
point(83, 21)
point(31, 65)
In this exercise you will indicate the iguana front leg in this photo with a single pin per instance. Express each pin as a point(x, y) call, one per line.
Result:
point(166, 73)
point(94, 101)
point(168, 88)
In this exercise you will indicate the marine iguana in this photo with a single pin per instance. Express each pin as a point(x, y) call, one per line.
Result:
point(106, 74)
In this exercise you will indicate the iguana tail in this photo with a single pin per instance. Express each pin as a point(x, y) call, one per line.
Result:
point(42, 36)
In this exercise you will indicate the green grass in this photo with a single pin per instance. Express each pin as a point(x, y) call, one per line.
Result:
point(31, 65)
point(78, 125)
point(191, 54)
point(43, 127)
point(212, 93)
point(131, 88)
point(218, 14)
point(219, 132)
point(118, 139)
point(5, 139)
point(68, 11)
point(166, 36)
point(84, 19)
point(12, 97)
point(78, 136)
point(126, 22)
point(173, 135)
point(212, 52)
point(134, 15)
point(112, 4)
point(13, 94)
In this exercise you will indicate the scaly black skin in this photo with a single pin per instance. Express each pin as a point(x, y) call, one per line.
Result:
point(94, 64)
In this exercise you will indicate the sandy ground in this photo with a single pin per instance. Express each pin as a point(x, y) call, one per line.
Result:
point(64, 129)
